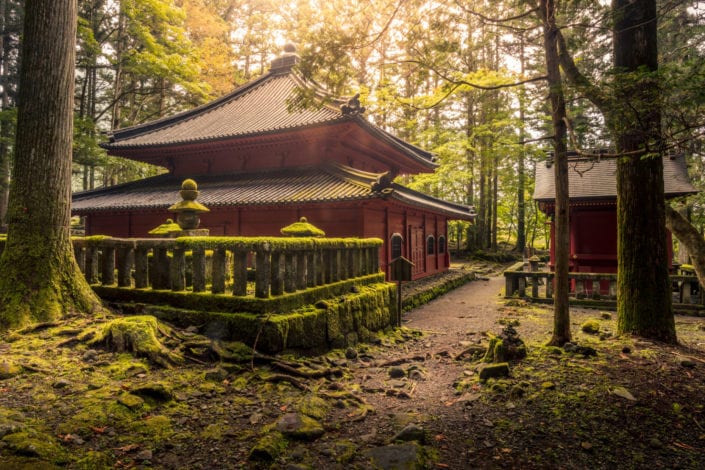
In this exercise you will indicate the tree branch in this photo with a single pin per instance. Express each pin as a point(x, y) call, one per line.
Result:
point(577, 79)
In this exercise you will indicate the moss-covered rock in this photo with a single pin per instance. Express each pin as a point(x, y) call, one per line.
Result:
point(269, 447)
point(591, 326)
point(30, 443)
point(299, 426)
point(9, 370)
point(131, 401)
point(491, 371)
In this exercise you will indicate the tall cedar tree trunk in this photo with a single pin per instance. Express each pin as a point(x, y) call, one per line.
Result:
point(690, 238)
point(561, 313)
point(39, 277)
point(5, 128)
point(643, 287)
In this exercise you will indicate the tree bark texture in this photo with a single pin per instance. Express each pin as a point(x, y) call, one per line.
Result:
point(689, 237)
point(643, 287)
point(561, 306)
point(39, 278)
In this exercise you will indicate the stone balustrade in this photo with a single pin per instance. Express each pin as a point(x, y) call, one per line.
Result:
point(267, 266)
point(595, 287)
point(275, 266)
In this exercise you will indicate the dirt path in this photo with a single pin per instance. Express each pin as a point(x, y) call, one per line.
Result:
point(472, 307)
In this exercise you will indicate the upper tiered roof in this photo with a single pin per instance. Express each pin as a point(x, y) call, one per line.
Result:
point(263, 107)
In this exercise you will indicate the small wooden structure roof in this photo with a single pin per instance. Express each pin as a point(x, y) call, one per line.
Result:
point(597, 179)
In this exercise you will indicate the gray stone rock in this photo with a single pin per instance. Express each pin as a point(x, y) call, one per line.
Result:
point(144, 455)
point(90, 355)
point(396, 457)
point(9, 370)
point(396, 372)
point(411, 432)
point(351, 353)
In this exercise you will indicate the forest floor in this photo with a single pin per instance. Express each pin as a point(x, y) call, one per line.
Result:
point(412, 400)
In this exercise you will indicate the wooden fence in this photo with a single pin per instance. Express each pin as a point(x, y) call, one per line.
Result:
point(597, 288)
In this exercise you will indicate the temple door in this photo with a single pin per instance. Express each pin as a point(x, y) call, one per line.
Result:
point(417, 249)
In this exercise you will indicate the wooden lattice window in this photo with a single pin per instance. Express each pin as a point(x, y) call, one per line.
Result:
point(430, 245)
point(441, 244)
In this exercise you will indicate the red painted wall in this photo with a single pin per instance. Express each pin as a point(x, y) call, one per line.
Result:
point(380, 219)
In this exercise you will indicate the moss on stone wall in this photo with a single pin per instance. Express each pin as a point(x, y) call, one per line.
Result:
point(338, 322)
point(228, 303)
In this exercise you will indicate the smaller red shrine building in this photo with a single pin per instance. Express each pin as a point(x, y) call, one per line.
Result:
point(262, 163)
point(592, 187)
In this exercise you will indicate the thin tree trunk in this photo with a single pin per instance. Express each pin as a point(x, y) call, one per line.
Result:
point(521, 167)
point(39, 277)
point(690, 238)
point(561, 314)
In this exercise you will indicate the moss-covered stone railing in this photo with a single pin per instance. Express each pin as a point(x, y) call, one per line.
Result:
point(599, 289)
point(255, 268)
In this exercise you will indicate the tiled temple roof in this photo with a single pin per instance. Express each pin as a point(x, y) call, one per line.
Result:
point(597, 179)
point(260, 107)
point(331, 183)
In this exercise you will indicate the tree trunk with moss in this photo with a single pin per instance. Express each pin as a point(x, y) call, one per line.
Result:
point(39, 277)
point(643, 292)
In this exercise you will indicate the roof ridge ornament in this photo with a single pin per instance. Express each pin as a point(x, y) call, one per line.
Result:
point(287, 60)
point(353, 106)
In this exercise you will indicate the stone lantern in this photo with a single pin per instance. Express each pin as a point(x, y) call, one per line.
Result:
point(188, 210)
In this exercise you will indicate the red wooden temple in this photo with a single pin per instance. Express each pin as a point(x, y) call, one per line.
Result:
point(592, 189)
point(261, 164)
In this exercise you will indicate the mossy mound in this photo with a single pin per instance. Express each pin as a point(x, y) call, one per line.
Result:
point(29, 443)
point(137, 335)
point(591, 327)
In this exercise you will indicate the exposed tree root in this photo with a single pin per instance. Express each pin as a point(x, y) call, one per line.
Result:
point(286, 378)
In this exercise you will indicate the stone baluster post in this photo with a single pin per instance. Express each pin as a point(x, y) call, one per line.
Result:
point(311, 268)
point(125, 262)
point(240, 272)
point(301, 269)
point(107, 273)
point(277, 274)
point(290, 271)
point(218, 274)
point(263, 269)
point(141, 267)
point(198, 266)
point(177, 271)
